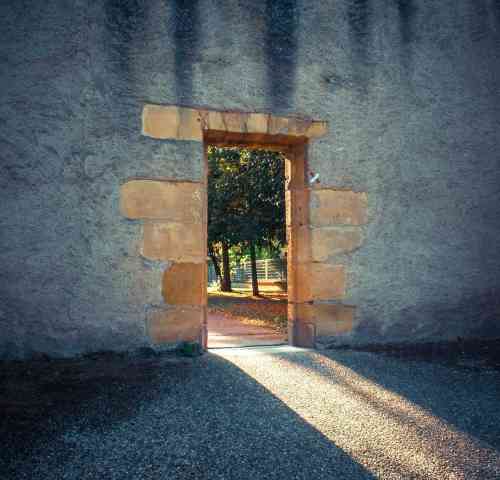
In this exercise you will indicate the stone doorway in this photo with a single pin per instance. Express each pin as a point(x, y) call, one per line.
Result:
point(174, 217)
point(294, 150)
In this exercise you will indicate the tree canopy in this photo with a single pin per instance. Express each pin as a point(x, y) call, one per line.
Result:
point(246, 199)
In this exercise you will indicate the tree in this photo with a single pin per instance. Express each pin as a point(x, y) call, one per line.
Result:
point(261, 182)
point(246, 203)
point(223, 166)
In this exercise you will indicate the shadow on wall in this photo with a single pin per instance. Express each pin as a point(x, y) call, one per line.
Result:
point(360, 15)
point(175, 418)
point(281, 52)
point(359, 19)
point(495, 5)
point(125, 22)
point(407, 11)
point(186, 40)
point(281, 18)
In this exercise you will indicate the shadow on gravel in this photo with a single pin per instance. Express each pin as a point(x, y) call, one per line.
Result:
point(467, 399)
point(160, 417)
point(41, 399)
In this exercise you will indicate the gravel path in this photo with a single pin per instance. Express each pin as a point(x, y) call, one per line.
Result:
point(261, 413)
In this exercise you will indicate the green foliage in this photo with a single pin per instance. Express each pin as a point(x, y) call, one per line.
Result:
point(246, 198)
point(189, 349)
point(223, 208)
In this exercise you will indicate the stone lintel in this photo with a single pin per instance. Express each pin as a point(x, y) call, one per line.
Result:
point(173, 122)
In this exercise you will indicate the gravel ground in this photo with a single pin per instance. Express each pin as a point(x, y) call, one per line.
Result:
point(255, 413)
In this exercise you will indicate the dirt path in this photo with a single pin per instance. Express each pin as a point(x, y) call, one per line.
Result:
point(227, 331)
point(237, 319)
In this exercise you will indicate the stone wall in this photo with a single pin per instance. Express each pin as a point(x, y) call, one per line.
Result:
point(410, 89)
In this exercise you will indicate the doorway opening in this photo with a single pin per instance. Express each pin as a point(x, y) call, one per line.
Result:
point(257, 237)
point(247, 245)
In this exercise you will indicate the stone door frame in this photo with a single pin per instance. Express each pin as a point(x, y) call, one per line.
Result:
point(322, 223)
point(295, 149)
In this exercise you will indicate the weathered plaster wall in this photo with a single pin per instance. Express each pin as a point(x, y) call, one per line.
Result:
point(72, 279)
point(416, 123)
point(411, 91)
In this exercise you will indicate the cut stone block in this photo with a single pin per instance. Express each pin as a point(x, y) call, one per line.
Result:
point(299, 244)
point(329, 319)
point(296, 171)
point(334, 319)
point(175, 324)
point(190, 125)
point(326, 242)
point(317, 129)
point(166, 200)
point(327, 281)
point(338, 207)
point(171, 122)
point(235, 122)
point(178, 242)
point(303, 334)
point(318, 281)
point(184, 284)
point(214, 121)
point(291, 279)
point(297, 207)
point(278, 125)
point(257, 123)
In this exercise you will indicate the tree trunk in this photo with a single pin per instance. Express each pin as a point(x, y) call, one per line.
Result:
point(215, 262)
point(253, 261)
point(226, 270)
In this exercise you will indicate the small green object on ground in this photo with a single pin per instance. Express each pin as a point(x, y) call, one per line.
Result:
point(190, 349)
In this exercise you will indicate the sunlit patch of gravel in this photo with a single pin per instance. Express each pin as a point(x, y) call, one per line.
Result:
point(397, 419)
